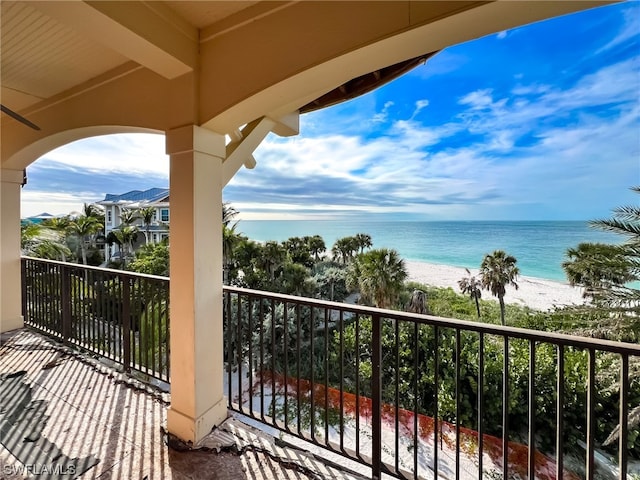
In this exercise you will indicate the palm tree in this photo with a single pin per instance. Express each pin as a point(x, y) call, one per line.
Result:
point(126, 235)
point(128, 216)
point(472, 286)
point(316, 246)
point(625, 221)
point(147, 214)
point(295, 279)
point(344, 249)
point(50, 250)
point(228, 213)
point(379, 275)
point(230, 238)
point(29, 233)
point(496, 272)
point(363, 240)
point(83, 227)
point(598, 268)
point(93, 210)
point(273, 257)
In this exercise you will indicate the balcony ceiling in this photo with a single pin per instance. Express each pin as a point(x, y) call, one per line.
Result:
point(42, 56)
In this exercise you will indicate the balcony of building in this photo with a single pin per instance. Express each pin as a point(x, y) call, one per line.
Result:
point(314, 389)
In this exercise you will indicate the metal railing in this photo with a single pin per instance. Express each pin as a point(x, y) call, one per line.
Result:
point(122, 316)
point(418, 396)
point(412, 396)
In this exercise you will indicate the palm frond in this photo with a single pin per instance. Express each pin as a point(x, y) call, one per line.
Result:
point(623, 227)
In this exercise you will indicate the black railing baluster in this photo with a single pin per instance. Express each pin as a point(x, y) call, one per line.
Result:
point(505, 409)
point(357, 375)
point(560, 415)
point(273, 362)
point(591, 417)
point(126, 325)
point(396, 415)
point(341, 332)
point(480, 405)
point(532, 410)
point(327, 314)
point(376, 400)
point(261, 313)
point(239, 352)
point(65, 294)
point(312, 331)
point(229, 331)
point(285, 326)
point(623, 453)
point(436, 382)
point(250, 353)
point(298, 394)
point(416, 374)
point(458, 394)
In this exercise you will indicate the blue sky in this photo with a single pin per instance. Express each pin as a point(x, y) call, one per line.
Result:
point(536, 123)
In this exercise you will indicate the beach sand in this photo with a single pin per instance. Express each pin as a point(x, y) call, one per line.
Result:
point(536, 293)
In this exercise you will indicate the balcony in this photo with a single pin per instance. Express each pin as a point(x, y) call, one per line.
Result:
point(404, 395)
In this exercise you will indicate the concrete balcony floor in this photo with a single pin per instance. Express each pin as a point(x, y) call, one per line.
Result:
point(64, 415)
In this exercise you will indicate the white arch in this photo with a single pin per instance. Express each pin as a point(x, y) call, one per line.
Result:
point(23, 158)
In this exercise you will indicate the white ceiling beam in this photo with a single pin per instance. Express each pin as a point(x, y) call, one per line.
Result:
point(147, 33)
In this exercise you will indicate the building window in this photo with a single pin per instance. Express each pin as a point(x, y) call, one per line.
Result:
point(164, 215)
point(108, 216)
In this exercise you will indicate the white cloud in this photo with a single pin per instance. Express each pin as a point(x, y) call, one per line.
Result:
point(130, 154)
point(384, 114)
point(629, 29)
point(35, 202)
point(478, 99)
point(501, 35)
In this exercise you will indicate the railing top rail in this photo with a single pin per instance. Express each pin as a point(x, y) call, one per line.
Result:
point(114, 271)
point(499, 330)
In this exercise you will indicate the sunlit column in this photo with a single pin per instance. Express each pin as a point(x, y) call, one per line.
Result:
point(10, 276)
point(197, 396)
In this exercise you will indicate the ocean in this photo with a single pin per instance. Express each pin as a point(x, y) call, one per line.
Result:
point(539, 246)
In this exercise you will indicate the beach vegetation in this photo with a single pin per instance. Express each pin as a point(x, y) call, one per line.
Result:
point(472, 286)
point(497, 270)
point(331, 281)
point(598, 267)
point(345, 249)
point(316, 246)
point(379, 276)
point(610, 275)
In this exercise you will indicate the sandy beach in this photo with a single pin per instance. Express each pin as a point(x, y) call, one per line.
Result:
point(536, 293)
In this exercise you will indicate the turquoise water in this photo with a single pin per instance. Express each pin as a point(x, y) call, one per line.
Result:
point(539, 246)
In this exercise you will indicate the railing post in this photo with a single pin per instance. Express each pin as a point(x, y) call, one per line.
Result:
point(23, 267)
point(126, 324)
point(66, 302)
point(376, 400)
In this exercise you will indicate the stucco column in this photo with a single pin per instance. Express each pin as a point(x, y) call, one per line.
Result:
point(197, 396)
point(10, 275)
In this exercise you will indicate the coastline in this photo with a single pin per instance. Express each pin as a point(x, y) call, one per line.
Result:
point(535, 293)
